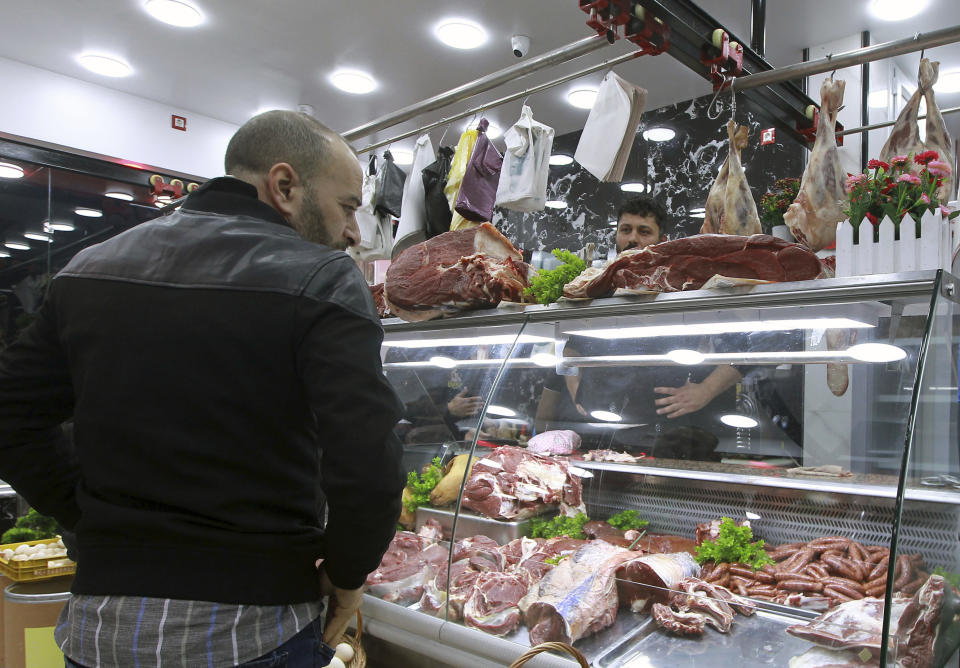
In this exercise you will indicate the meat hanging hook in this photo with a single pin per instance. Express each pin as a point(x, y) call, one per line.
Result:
point(443, 134)
point(733, 100)
point(713, 100)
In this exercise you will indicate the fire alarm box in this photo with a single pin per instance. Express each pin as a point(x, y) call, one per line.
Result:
point(178, 122)
point(768, 136)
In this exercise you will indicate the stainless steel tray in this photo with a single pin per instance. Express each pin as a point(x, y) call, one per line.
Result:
point(469, 524)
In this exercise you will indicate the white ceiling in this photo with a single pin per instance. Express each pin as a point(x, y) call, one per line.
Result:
point(256, 54)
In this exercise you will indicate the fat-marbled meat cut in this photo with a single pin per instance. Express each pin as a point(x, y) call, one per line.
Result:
point(455, 271)
point(408, 564)
point(493, 604)
point(686, 264)
point(512, 483)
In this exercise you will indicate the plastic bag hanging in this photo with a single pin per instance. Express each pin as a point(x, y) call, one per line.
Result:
point(611, 128)
point(390, 182)
point(526, 164)
point(478, 192)
point(376, 238)
point(455, 177)
point(413, 224)
point(436, 208)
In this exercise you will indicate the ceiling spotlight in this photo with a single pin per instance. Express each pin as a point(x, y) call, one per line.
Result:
point(460, 33)
point(502, 411)
point(698, 209)
point(555, 204)
point(659, 134)
point(38, 235)
point(58, 226)
point(613, 223)
point(16, 244)
point(739, 421)
point(582, 98)
point(493, 130)
point(107, 66)
point(948, 82)
point(896, 10)
point(8, 170)
point(560, 159)
point(443, 362)
point(353, 81)
point(878, 99)
point(698, 214)
point(126, 197)
point(174, 12)
point(402, 156)
point(4, 253)
point(88, 213)
point(606, 416)
point(632, 187)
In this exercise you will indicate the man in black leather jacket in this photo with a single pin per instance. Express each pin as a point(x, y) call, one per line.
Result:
point(221, 366)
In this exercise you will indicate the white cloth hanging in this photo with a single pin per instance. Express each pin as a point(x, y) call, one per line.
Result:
point(611, 128)
point(376, 231)
point(413, 222)
point(526, 164)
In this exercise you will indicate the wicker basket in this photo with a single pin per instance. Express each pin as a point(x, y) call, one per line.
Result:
point(548, 647)
point(359, 659)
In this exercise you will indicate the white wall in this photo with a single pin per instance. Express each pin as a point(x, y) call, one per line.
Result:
point(849, 116)
point(42, 105)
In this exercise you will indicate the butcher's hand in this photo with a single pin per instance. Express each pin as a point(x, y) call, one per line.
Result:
point(342, 606)
point(464, 406)
point(689, 398)
point(581, 410)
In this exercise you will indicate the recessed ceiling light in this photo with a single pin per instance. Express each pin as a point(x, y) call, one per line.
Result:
point(402, 156)
point(632, 187)
point(606, 416)
point(460, 33)
point(698, 209)
point(876, 352)
point(126, 197)
point(88, 213)
point(613, 223)
point(4, 253)
point(502, 411)
point(878, 99)
point(8, 170)
point(659, 134)
point(353, 81)
point(107, 66)
point(896, 10)
point(555, 204)
point(174, 12)
point(698, 214)
point(582, 98)
point(493, 130)
point(560, 159)
point(740, 421)
point(58, 226)
point(949, 82)
point(16, 244)
point(38, 235)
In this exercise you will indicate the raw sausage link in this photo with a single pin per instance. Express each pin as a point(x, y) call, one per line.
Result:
point(906, 574)
point(765, 590)
point(800, 585)
point(876, 582)
point(829, 543)
point(740, 587)
point(706, 570)
point(742, 570)
point(783, 576)
point(836, 595)
point(769, 569)
point(817, 570)
point(843, 582)
point(838, 566)
point(857, 553)
point(880, 568)
point(724, 580)
point(797, 562)
point(784, 551)
point(849, 592)
point(764, 577)
point(855, 567)
point(718, 572)
point(876, 591)
point(831, 553)
point(912, 587)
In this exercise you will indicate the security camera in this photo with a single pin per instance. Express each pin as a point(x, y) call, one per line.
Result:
point(520, 44)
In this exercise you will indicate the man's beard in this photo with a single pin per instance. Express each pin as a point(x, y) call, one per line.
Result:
point(311, 224)
point(632, 244)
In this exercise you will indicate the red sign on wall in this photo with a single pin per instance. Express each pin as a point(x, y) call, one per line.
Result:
point(768, 136)
point(178, 122)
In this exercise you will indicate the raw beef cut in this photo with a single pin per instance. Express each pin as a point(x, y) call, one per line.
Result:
point(511, 483)
point(493, 605)
point(377, 292)
point(483, 553)
point(814, 214)
point(730, 207)
point(558, 442)
point(649, 579)
point(681, 623)
point(851, 625)
point(919, 624)
point(686, 264)
point(711, 603)
point(436, 593)
point(455, 271)
point(408, 564)
point(532, 563)
point(938, 138)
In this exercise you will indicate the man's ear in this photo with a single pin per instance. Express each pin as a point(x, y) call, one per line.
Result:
point(283, 189)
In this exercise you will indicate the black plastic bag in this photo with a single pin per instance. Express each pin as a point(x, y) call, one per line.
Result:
point(390, 181)
point(436, 207)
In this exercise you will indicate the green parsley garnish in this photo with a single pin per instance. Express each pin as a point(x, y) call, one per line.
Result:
point(626, 520)
point(733, 545)
point(547, 285)
point(423, 484)
point(559, 526)
point(952, 578)
point(555, 560)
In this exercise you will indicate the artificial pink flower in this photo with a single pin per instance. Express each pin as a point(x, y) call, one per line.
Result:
point(853, 180)
point(944, 210)
point(899, 160)
point(925, 157)
point(938, 168)
point(910, 178)
point(873, 219)
point(874, 164)
point(925, 198)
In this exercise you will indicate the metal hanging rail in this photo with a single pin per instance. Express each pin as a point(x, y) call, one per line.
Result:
point(485, 83)
point(503, 100)
point(886, 124)
point(849, 58)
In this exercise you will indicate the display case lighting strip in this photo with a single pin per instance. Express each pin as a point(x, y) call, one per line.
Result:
point(713, 328)
point(490, 340)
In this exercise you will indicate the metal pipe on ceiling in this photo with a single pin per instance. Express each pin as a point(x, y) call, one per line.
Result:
point(485, 83)
point(508, 98)
point(887, 124)
point(850, 58)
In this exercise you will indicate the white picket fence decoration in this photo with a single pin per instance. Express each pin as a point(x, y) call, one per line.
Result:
point(933, 250)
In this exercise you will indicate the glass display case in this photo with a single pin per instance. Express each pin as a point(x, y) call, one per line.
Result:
point(822, 415)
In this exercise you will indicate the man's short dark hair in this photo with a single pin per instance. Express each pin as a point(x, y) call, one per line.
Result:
point(279, 136)
point(644, 206)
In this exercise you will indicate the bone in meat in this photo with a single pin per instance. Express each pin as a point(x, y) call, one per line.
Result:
point(739, 210)
point(813, 216)
point(938, 139)
point(713, 219)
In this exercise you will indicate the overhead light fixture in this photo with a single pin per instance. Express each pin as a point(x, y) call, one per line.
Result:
point(502, 411)
point(4, 253)
point(354, 82)
point(948, 82)
point(58, 226)
point(460, 33)
point(878, 99)
point(712, 328)
point(107, 66)
point(88, 213)
point(686, 357)
point(493, 130)
point(582, 98)
point(560, 159)
point(16, 244)
point(605, 416)
point(739, 421)
point(896, 10)
point(698, 209)
point(544, 359)
point(126, 197)
point(876, 352)
point(613, 223)
point(555, 204)
point(698, 214)
point(174, 12)
point(659, 134)
point(38, 235)
point(632, 187)
point(443, 362)
point(472, 341)
point(402, 156)
point(8, 170)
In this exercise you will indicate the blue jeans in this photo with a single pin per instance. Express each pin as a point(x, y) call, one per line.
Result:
point(304, 650)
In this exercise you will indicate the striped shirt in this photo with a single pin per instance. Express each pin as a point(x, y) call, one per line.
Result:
point(136, 632)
